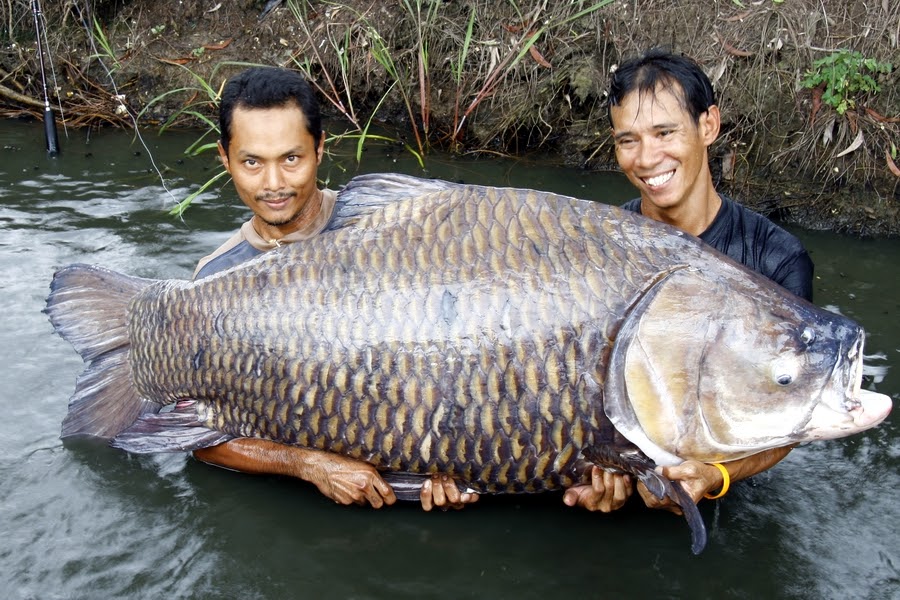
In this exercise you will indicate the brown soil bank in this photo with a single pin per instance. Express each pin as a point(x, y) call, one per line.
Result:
point(508, 77)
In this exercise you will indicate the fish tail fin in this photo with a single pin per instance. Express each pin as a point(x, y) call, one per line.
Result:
point(88, 307)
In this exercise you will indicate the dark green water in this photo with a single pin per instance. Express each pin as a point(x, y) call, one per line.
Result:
point(90, 522)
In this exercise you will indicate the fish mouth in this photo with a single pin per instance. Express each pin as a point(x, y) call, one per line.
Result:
point(871, 409)
point(855, 409)
point(867, 408)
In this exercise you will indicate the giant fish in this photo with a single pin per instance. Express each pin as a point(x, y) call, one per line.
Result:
point(507, 337)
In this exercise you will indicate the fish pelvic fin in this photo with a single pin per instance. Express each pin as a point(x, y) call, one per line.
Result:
point(176, 430)
point(367, 193)
point(88, 307)
point(643, 469)
point(408, 486)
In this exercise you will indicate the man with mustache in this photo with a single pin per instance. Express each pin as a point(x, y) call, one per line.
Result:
point(663, 114)
point(271, 144)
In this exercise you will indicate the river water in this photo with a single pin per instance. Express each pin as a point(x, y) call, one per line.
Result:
point(83, 521)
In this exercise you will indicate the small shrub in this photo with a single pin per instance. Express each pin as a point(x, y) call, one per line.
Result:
point(846, 76)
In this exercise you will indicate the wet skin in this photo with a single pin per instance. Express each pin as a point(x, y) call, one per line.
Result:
point(663, 152)
point(272, 159)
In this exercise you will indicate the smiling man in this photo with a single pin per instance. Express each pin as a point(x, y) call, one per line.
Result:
point(271, 144)
point(664, 118)
point(663, 113)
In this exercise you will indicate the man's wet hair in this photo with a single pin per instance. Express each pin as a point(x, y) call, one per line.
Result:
point(268, 87)
point(661, 68)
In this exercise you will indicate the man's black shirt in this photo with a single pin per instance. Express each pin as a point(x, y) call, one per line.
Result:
point(757, 243)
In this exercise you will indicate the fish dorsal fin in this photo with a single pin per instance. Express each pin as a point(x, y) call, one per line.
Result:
point(365, 194)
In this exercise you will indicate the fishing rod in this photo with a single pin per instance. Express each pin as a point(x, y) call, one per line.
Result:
point(49, 119)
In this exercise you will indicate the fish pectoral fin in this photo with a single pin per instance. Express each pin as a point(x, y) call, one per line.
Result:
point(629, 460)
point(177, 430)
point(408, 486)
point(662, 488)
point(657, 485)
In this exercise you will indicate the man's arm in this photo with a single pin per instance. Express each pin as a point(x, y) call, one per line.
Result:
point(344, 480)
point(609, 491)
point(699, 478)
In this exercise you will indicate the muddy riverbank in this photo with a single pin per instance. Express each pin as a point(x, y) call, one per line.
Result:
point(508, 78)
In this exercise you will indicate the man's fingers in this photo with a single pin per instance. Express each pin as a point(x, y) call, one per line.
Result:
point(440, 497)
point(426, 496)
point(598, 481)
point(450, 490)
point(653, 502)
point(606, 492)
point(384, 488)
point(373, 497)
point(585, 496)
point(622, 490)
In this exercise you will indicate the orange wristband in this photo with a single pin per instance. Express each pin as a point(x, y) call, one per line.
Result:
point(725, 484)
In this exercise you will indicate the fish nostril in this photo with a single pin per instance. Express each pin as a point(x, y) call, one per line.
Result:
point(808, 336)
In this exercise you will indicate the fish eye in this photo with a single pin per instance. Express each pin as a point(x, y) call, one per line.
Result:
point(808, 336)
point(784, 379)
point(784, 372)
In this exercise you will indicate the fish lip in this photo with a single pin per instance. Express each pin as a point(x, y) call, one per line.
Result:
point(872, 411)
point(856, 411)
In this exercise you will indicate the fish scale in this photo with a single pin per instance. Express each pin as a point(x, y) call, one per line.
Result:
point(346, 301)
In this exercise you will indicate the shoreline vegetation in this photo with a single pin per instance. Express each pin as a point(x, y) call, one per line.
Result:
point(808, 88)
